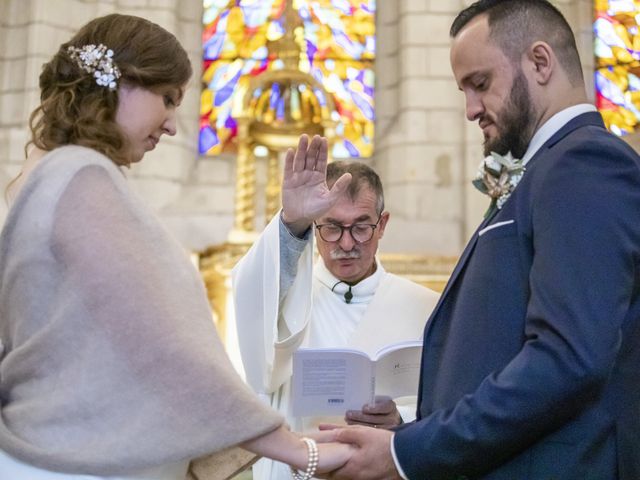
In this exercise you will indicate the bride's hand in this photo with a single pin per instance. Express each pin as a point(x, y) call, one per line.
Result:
point(288, 447)
point(332, 456)
point(325, 434)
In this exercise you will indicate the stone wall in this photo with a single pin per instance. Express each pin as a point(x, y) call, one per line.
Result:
point(426, 152)
point(419, 153)
point(194, 197)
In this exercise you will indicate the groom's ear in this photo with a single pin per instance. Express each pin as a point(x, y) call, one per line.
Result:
point(540, 62)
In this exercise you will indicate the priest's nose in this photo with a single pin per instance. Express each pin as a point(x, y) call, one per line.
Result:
point(347, 242)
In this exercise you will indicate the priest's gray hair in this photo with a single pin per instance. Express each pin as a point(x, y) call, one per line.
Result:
point(361, 175)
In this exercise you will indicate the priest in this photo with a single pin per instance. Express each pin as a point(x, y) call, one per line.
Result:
point(284, 299)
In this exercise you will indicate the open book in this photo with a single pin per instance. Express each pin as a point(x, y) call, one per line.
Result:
point(328, 381)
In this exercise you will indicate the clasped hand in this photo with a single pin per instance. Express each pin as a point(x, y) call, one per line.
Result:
point(370, 455)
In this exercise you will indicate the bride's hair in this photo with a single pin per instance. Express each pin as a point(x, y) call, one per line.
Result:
point(75, 109)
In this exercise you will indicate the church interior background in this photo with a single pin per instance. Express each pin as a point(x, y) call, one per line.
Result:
point(374, 77)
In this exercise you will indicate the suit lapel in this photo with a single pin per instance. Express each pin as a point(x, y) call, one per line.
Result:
point(466, 254)
point(459, 267)
point(586, 119)
point(583, 120)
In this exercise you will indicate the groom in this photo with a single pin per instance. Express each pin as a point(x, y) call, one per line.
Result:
point(531, 363)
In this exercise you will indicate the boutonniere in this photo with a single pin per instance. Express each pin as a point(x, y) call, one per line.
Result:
point(497, 177)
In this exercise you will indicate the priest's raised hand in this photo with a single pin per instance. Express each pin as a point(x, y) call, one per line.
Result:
point(305, 194)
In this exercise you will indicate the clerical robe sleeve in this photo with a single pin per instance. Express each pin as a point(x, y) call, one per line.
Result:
point(291, 249)
point(270, 330)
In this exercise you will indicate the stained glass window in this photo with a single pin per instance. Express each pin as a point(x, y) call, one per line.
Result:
point(617, 76)
point(337, 43)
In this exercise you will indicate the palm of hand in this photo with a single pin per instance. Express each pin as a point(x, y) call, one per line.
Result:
point(305, 194)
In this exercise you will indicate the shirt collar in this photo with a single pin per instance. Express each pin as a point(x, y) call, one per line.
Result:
point(551, 126)
point(362, 291)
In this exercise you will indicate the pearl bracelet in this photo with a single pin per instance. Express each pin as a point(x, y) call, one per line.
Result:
point(312, 462)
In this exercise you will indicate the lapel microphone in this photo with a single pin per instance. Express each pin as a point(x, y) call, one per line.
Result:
point(347, 295)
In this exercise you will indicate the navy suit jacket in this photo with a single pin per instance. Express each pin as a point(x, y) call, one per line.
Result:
point(531, 359)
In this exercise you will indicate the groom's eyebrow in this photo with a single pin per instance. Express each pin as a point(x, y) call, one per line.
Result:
point(472, 77)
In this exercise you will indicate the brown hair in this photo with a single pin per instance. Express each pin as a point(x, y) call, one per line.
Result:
point(74, 109)
point(361, 176)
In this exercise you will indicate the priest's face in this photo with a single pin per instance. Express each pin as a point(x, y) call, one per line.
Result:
point(345, 258)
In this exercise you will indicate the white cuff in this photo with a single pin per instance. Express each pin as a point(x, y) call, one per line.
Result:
point(395, 460)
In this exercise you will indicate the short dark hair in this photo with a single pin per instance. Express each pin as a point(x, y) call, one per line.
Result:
point(516, 24)
point(361, 176)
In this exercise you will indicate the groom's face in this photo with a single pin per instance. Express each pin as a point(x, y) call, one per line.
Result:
point(496, 91)
point(513, 122)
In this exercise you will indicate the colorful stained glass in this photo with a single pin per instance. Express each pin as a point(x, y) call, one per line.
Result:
point(617, 76)
point(337, 48)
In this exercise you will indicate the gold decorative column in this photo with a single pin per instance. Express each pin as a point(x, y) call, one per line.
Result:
point(273, 185)
point(245, 189)
point(244, 230)
point(306, 108)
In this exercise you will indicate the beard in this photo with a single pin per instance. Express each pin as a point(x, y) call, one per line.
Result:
point(514, 122)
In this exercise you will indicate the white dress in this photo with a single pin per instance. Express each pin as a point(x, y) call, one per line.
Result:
point(11, 468)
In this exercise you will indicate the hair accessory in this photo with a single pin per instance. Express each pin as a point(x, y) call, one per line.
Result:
point(312, 462)
point(97, 60)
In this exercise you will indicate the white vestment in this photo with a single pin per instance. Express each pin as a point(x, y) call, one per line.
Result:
point(384, 309)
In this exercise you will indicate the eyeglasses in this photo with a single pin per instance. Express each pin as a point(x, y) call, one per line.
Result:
point(360, 232)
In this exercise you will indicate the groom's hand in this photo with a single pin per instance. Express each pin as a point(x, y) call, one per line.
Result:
point(383, 413)
point(371, 459)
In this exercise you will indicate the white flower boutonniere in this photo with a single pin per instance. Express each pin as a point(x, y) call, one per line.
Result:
point(498, 176)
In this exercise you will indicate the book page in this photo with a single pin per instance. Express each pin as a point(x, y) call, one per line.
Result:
point(392, 347)
point(397, 372)
point(329, 381)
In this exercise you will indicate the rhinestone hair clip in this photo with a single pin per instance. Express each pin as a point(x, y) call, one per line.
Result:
point(97, 60)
